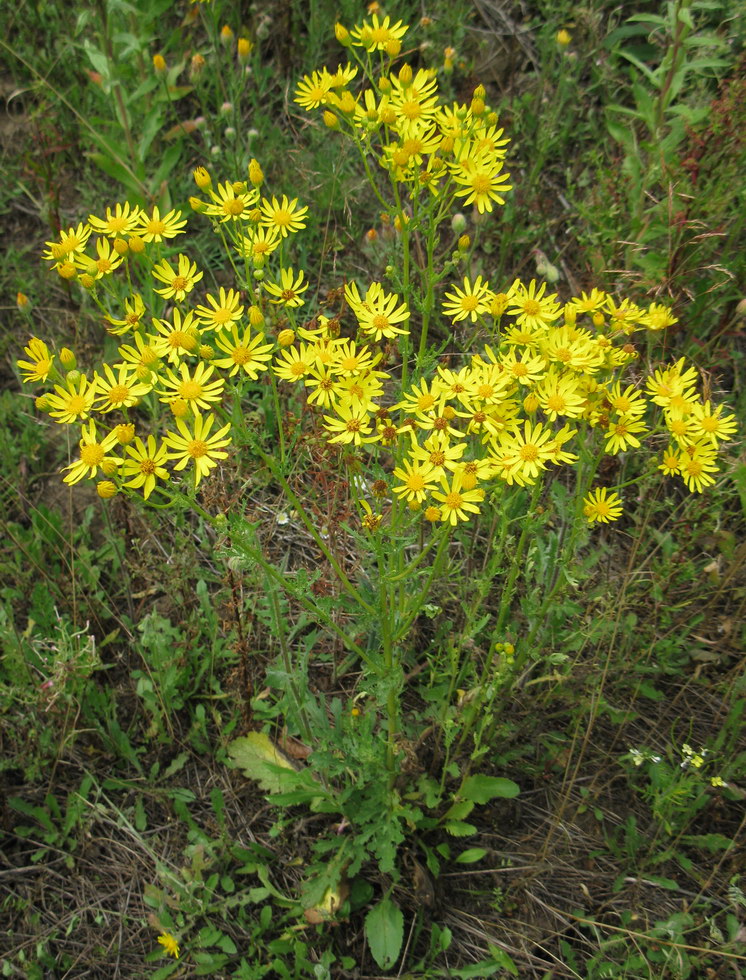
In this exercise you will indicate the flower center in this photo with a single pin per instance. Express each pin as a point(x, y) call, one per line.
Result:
point(91, 454)
point(179, 282)
point(190, 390)
point(528, 453)
point(453, 500)
point(197, 448)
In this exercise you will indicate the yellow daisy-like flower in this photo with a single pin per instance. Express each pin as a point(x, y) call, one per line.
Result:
point(246, 353)
point(313, 89)
point(379, 314)
point(106, 261)
point(531, 307)
point(358, 390)
point(526, 369)
point(146, 465)
point(469, 302)
point(629, 402)
point(229, 204)
point(121, 221)
point(195, 388)
point(481, 180)
point(622, 433)
point(121, 390)
point(224, 311)
point(697, 462)
point(711, 425)
point(166, 939)
point(438, 451)
point(134, 312)
point(671, 464)
point(284, 216)
point(40, 361)
point(421, 397)
point(294, 363)
point(560, 395)
point(353, 425)
point(143, 356)
point(658, 317)
point(602, 506)
point(288, 291)
point(375, 34)
point(350, 360)
point(197, 445)
point(179, 282)
point(93, 455)
point(259, 243)
point(456, 501)
point(460, 385)
point(71, 242)
point(72, 403)
point(324, 385)
point(154, 228)
point(417, 478)
point(527, 451)
point(177, 338)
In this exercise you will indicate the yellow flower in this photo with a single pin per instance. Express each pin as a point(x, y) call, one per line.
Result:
point(134, 311)
point(178, 283)
point(457, 502)
point(177, 338)
point(602, 506)
point(146, 465)
point(470, 302)
point(93, 455)
point(481, 180)
point(198, 446)
point(121, 221)
point(222, 312)
point(169, 944)
point(40, 361)
point(121, 390)
point(417, 479)
point(622, 433)
point(74, 402)
point(352, 426)
point(284, 216)
point(289, 289)
point(245, 353)
point(531, 307)
point(196, 388)
point(697, 462)
point(228, 204)
point(375, 34)
point(154, 228)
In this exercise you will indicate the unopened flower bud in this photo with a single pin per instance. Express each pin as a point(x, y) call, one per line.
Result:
point(243, 49)
point(432, 514)
point(256, 317)
point(106, 489)
point(125, 433)
point(229, 132)
point(66, 270)
point(405, 75)
point(330, 120)
point(136, 244)
point(159, 64)
point(342, 34)
point(477, 107)
point(179, 408)
point(196, 204)
point(226, 108)
point(21, 300)
point(530, 403)
point(41, 403)
point(563, 38)
point(286, 337)
point(86, 281)
point(67, 359)
point(73, 376)
point(202, 178)
point(393, 47)
point(109, 466)
point(256, 176)
point(371, 235)
point(458, 223)
point(226, 35)
point(196, 66)
point(464, 242)
point(120, 246)
point(206, 352)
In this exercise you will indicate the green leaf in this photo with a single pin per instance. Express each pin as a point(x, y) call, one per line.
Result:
point(258, 757)
point(499, 960)
point(458, 828)
point(471, 856)
point(482, 789)
point(384, 930)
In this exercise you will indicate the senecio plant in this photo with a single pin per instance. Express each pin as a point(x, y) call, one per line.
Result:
point(449, 445)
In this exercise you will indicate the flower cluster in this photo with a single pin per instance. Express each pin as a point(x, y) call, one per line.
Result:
point(555, 379)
